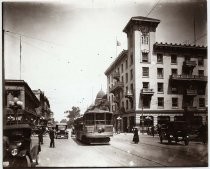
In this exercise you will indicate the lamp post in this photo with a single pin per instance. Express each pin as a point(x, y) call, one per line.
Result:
point(118, 124)
point(15, 105)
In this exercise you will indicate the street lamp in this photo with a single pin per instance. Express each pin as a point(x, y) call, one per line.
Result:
point(15, 105)
point(118, 124)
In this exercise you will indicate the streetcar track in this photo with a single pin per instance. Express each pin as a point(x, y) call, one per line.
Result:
point(163, 147)
point(139, 156)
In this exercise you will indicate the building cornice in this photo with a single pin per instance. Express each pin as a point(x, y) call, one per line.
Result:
point(169, 47)
point(122, 55)
point(142, 21)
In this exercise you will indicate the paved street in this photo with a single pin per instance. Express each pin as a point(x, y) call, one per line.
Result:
point(121, 152)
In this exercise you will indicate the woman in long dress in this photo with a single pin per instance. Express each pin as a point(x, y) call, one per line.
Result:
point(135, 136)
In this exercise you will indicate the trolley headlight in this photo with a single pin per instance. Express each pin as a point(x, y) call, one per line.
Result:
point(100, 130)
point(14, 152)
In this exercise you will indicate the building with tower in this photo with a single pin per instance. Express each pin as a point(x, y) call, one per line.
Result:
point(152, 83)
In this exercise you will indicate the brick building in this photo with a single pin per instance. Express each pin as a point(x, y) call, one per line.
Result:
point(151, 83)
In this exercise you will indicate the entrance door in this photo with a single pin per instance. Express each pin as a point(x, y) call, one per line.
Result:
point(124, 124)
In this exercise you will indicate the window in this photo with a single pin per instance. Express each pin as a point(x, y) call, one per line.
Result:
point(201, 72)
point(131, 59)
point(174, 72)
point(146, 102)
point(173, 59)
point(175, 102)
point(126, 89)
point(160, 72)
point(200, 61)
point(131, 88)
point(126, 64)
point(145, 39)
point(201, 102)
point(122, 79)
point(131, 72)
point(160, 102)
point(174, 90)
point(145, 71)
point(126, 77)
point(122, 67)
point(160, 87)
point(126, 104)
point(144, 57)
point(118, 70)
point(145, 85)
point(159, 58)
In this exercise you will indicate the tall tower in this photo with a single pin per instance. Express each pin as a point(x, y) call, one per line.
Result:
point(141, 38)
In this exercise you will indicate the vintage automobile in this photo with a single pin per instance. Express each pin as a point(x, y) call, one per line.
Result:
point(21, 150)
point(61, 131)
point(174, 131)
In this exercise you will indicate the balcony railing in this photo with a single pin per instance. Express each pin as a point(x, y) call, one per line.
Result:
point(129, 94)
point(189, 63)
point(190, 108)
point(146, 91)
point(191, 92)
point(188, 77)
point(118, 86)
point(116, 75)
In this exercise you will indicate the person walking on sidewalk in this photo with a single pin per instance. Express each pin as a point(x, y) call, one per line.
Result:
point(153, 131)
point(135, 136)
point(52, 137)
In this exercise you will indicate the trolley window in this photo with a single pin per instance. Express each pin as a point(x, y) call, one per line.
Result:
point(61, 127)
point(108, 118)
point(90, 119)
point(100, 118)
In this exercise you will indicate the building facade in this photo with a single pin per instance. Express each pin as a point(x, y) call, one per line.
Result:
point(151, 83)
point(44, 110)
point(21, 90)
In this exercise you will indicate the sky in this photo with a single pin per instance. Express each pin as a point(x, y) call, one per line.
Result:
point(67, 46)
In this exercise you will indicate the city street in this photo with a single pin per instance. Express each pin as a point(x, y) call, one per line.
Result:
point(121, 152)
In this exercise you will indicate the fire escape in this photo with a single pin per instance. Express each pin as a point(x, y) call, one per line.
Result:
point(191, 85)
point(116, 90)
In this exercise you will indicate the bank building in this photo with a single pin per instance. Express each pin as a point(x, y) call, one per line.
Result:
point(151, 83)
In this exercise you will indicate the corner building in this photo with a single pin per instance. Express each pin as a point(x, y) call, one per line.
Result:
point(152, 83)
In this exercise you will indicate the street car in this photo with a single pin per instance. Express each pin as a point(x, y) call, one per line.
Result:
point(61, 131)
point(21, 149)
point(174, 131)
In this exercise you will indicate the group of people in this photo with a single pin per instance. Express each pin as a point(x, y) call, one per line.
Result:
point(51, 135)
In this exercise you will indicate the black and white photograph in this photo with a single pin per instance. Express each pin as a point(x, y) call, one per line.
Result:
point(104, 83)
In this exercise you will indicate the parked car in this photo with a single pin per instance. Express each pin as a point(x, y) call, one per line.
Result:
point(61, 131)
point(174, 131)
point(21, 150)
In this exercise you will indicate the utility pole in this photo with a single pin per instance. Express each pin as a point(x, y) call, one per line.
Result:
point(20, 56)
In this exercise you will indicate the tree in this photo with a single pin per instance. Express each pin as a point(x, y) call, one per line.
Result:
point(63, 121)
point(71, 114)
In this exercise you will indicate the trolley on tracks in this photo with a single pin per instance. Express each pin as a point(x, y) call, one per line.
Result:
point(95, 126)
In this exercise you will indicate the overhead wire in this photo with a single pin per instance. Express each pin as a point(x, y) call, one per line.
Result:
point(154, 6)
point(27, 36)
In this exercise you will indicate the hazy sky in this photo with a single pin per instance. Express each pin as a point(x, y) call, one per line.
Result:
point(67, 46)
